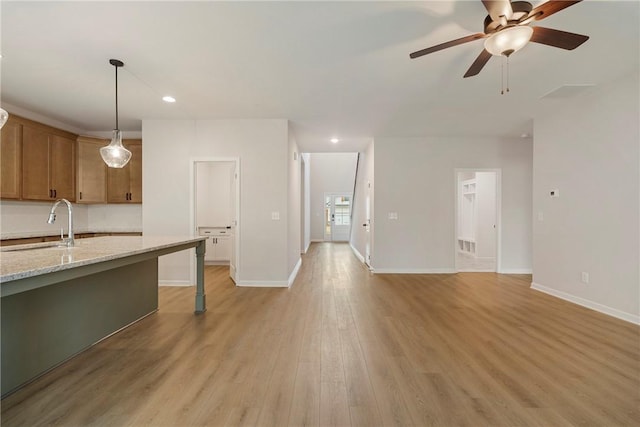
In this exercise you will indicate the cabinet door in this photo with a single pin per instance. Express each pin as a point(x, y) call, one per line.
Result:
point(62, 164)
point(118, 185)
point(223, 249)
point(92, 172)
point(11, 160)
point(35, 164)
point(135, 171)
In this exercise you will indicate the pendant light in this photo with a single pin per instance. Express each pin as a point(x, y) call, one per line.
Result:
point(115, 155)
point(4, 116)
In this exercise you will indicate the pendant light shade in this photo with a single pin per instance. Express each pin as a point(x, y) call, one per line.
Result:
point(3, 117)
point(115, 155)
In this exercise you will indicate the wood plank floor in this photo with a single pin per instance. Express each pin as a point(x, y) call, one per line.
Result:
point(344, 347)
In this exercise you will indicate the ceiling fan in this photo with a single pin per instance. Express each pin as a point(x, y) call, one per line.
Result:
point(507, 30)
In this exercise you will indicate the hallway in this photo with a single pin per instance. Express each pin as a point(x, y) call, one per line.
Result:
point(345, 347)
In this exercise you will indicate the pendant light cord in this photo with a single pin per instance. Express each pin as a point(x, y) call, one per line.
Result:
point(117, 127)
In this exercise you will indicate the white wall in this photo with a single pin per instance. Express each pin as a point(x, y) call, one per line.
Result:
point(29, 218)
point(364, 187)
point(587, 148)
point(262, 146)
point(415, 178)
point(330, 173)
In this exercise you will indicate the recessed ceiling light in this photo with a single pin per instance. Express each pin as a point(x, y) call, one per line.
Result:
point(335, 140)
point(168, 98)
point(524, 135)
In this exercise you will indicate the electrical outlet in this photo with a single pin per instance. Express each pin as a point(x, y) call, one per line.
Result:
point(585, 277)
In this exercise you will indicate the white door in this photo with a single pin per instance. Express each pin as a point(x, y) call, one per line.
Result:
point(234, 223)
point(367, 225)
point(337, 217)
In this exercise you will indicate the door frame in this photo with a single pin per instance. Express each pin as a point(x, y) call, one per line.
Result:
point(192, 208)
point(498, 172)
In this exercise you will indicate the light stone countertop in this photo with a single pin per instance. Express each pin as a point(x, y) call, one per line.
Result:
point(29, 234)
point(21, 261)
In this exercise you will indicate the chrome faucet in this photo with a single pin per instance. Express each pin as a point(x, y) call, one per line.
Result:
point(69, 242)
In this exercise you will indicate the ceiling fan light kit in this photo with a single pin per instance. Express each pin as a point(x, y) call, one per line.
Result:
point(509, 40)
point(507, 30)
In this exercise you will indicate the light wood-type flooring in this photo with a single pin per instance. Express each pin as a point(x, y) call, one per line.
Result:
point(345, 347)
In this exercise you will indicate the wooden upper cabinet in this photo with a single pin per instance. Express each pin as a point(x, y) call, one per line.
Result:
point(125, 184)
point(48, 164)
point(63, 167)
point(11, 160)
point(135, 171)
point(92, 171)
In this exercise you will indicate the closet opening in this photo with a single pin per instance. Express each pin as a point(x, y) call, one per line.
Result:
point(477, 220)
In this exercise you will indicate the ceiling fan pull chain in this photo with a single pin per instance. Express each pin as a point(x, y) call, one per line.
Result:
point(502, 75)
point(507, 74)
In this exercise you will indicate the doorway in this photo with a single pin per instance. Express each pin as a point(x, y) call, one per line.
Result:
point(337, 217)
point(216, 210)
point(477, 220)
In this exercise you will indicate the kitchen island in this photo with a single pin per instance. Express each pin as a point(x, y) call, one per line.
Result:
point(58, 301)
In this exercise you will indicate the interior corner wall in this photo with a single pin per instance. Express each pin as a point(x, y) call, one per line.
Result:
point(588, 149)
point(261, 146)
point(294, 178)
point(364, 188)
point(415, 178)
point(330, 173)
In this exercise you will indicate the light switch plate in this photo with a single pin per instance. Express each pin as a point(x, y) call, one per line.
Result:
point(275, 216)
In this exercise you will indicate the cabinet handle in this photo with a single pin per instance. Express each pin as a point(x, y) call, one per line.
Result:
point(55, 194)
point(81, 195)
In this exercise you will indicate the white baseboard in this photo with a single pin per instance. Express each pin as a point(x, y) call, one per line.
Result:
point(357, 253)
point(294, 273)
point(263, 283)
point(316, 241)
point(413, 270)
point(516, 271)
point(175, 283)
point(632, 318)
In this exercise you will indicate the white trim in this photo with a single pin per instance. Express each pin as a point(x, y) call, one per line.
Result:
point(516, 271)
point(294, 273)
point(413, 270)
point(357, 253)
point(263, 283)
point(316, 241)
point(632, 318)
point(175, 283)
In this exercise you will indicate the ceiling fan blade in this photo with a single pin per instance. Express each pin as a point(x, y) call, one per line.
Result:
point(479, 63)
point(498, 8)
point(550, 7)
point(557, 38)
point(451, 43)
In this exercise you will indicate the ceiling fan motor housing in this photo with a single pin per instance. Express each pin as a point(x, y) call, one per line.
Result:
point(521, 10)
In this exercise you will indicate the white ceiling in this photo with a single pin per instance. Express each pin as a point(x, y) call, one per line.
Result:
point(332, 68)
